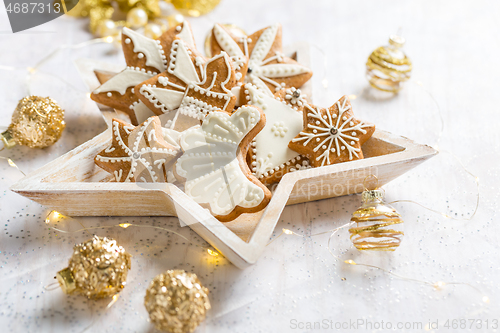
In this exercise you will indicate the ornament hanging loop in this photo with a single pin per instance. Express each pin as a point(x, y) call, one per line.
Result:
point(365, 183)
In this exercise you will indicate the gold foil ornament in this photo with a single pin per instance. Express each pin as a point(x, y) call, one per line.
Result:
point(176, 301)
point(98, 268)
point(378, 225)
point(194, 7)
point(37, 122)
point(388, 66)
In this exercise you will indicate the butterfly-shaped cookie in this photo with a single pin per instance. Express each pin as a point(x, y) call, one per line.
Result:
point(213, 165)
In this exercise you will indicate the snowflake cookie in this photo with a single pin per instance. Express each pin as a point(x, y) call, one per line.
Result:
point(145, 58)
point(331, 135)
point(138, 154)
point(270, 157)
point(213, 165)
point(191, 85)
point(259, 58)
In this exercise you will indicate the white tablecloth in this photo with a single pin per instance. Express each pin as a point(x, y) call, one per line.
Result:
point(296, 284)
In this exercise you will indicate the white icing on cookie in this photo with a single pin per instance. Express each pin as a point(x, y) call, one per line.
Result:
point(332, 133)
point(212, 171)
point(187, 35)
point(142, 112)
point(141, 154)
point(228, 44)
point(260, 69)
point(270, 147)
point(127, 78)
point(149, 48)
point(181, 65)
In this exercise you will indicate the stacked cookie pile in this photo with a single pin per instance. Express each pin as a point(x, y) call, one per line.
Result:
point(224, 127)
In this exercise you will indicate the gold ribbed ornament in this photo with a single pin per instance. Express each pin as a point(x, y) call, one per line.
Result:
point(97, 269)
point(378, 225)
point(37, 122)
point(176, 301)
point(388, 66)
point(194, 7)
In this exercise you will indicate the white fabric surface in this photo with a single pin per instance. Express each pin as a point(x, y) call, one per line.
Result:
point(454, 46)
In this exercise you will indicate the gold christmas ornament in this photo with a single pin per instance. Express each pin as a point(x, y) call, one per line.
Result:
point(174, 20)
point(37, 122)
point(176, 301)
point(233, 28)
point(388, 66)
point(378, 225)
point(97, 269)
point(137, 18)
point(153, 30)
point(106, 28)
point(195, 7)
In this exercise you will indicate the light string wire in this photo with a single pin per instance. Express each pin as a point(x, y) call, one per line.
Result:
point(36, 69)
point(439, 284)
point(32, 70)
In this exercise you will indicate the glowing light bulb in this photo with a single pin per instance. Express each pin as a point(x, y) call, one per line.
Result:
point(213, 253)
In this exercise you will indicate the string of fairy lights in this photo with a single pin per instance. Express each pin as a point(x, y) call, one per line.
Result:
point(438, 285)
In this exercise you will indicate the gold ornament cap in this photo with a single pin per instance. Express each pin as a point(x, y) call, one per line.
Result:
point(371, 195)
point(397, 41)
point(66, 280)
point(7, 139)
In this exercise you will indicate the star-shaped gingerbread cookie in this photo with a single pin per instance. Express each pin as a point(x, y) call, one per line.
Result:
point(259, 58)
point(145, 58)
point(331, 135)
point(138, 154)
point(270, 158)
point(192, 86)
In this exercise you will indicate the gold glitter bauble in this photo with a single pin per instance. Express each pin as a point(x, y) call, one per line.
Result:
point(377, 224)
point(37, 122)
point(176, 301)
point(195, 7)
point(97, 269)
point(388, 66)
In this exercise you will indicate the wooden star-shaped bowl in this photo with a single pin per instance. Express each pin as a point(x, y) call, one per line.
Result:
point(73, 185)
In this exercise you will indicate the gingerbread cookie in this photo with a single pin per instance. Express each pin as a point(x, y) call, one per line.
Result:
point(138, 154)
point(331, 135)
point(269, 156)
point(259, 58)
point(145, 58)
point(213, 165)
point(192, 85)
